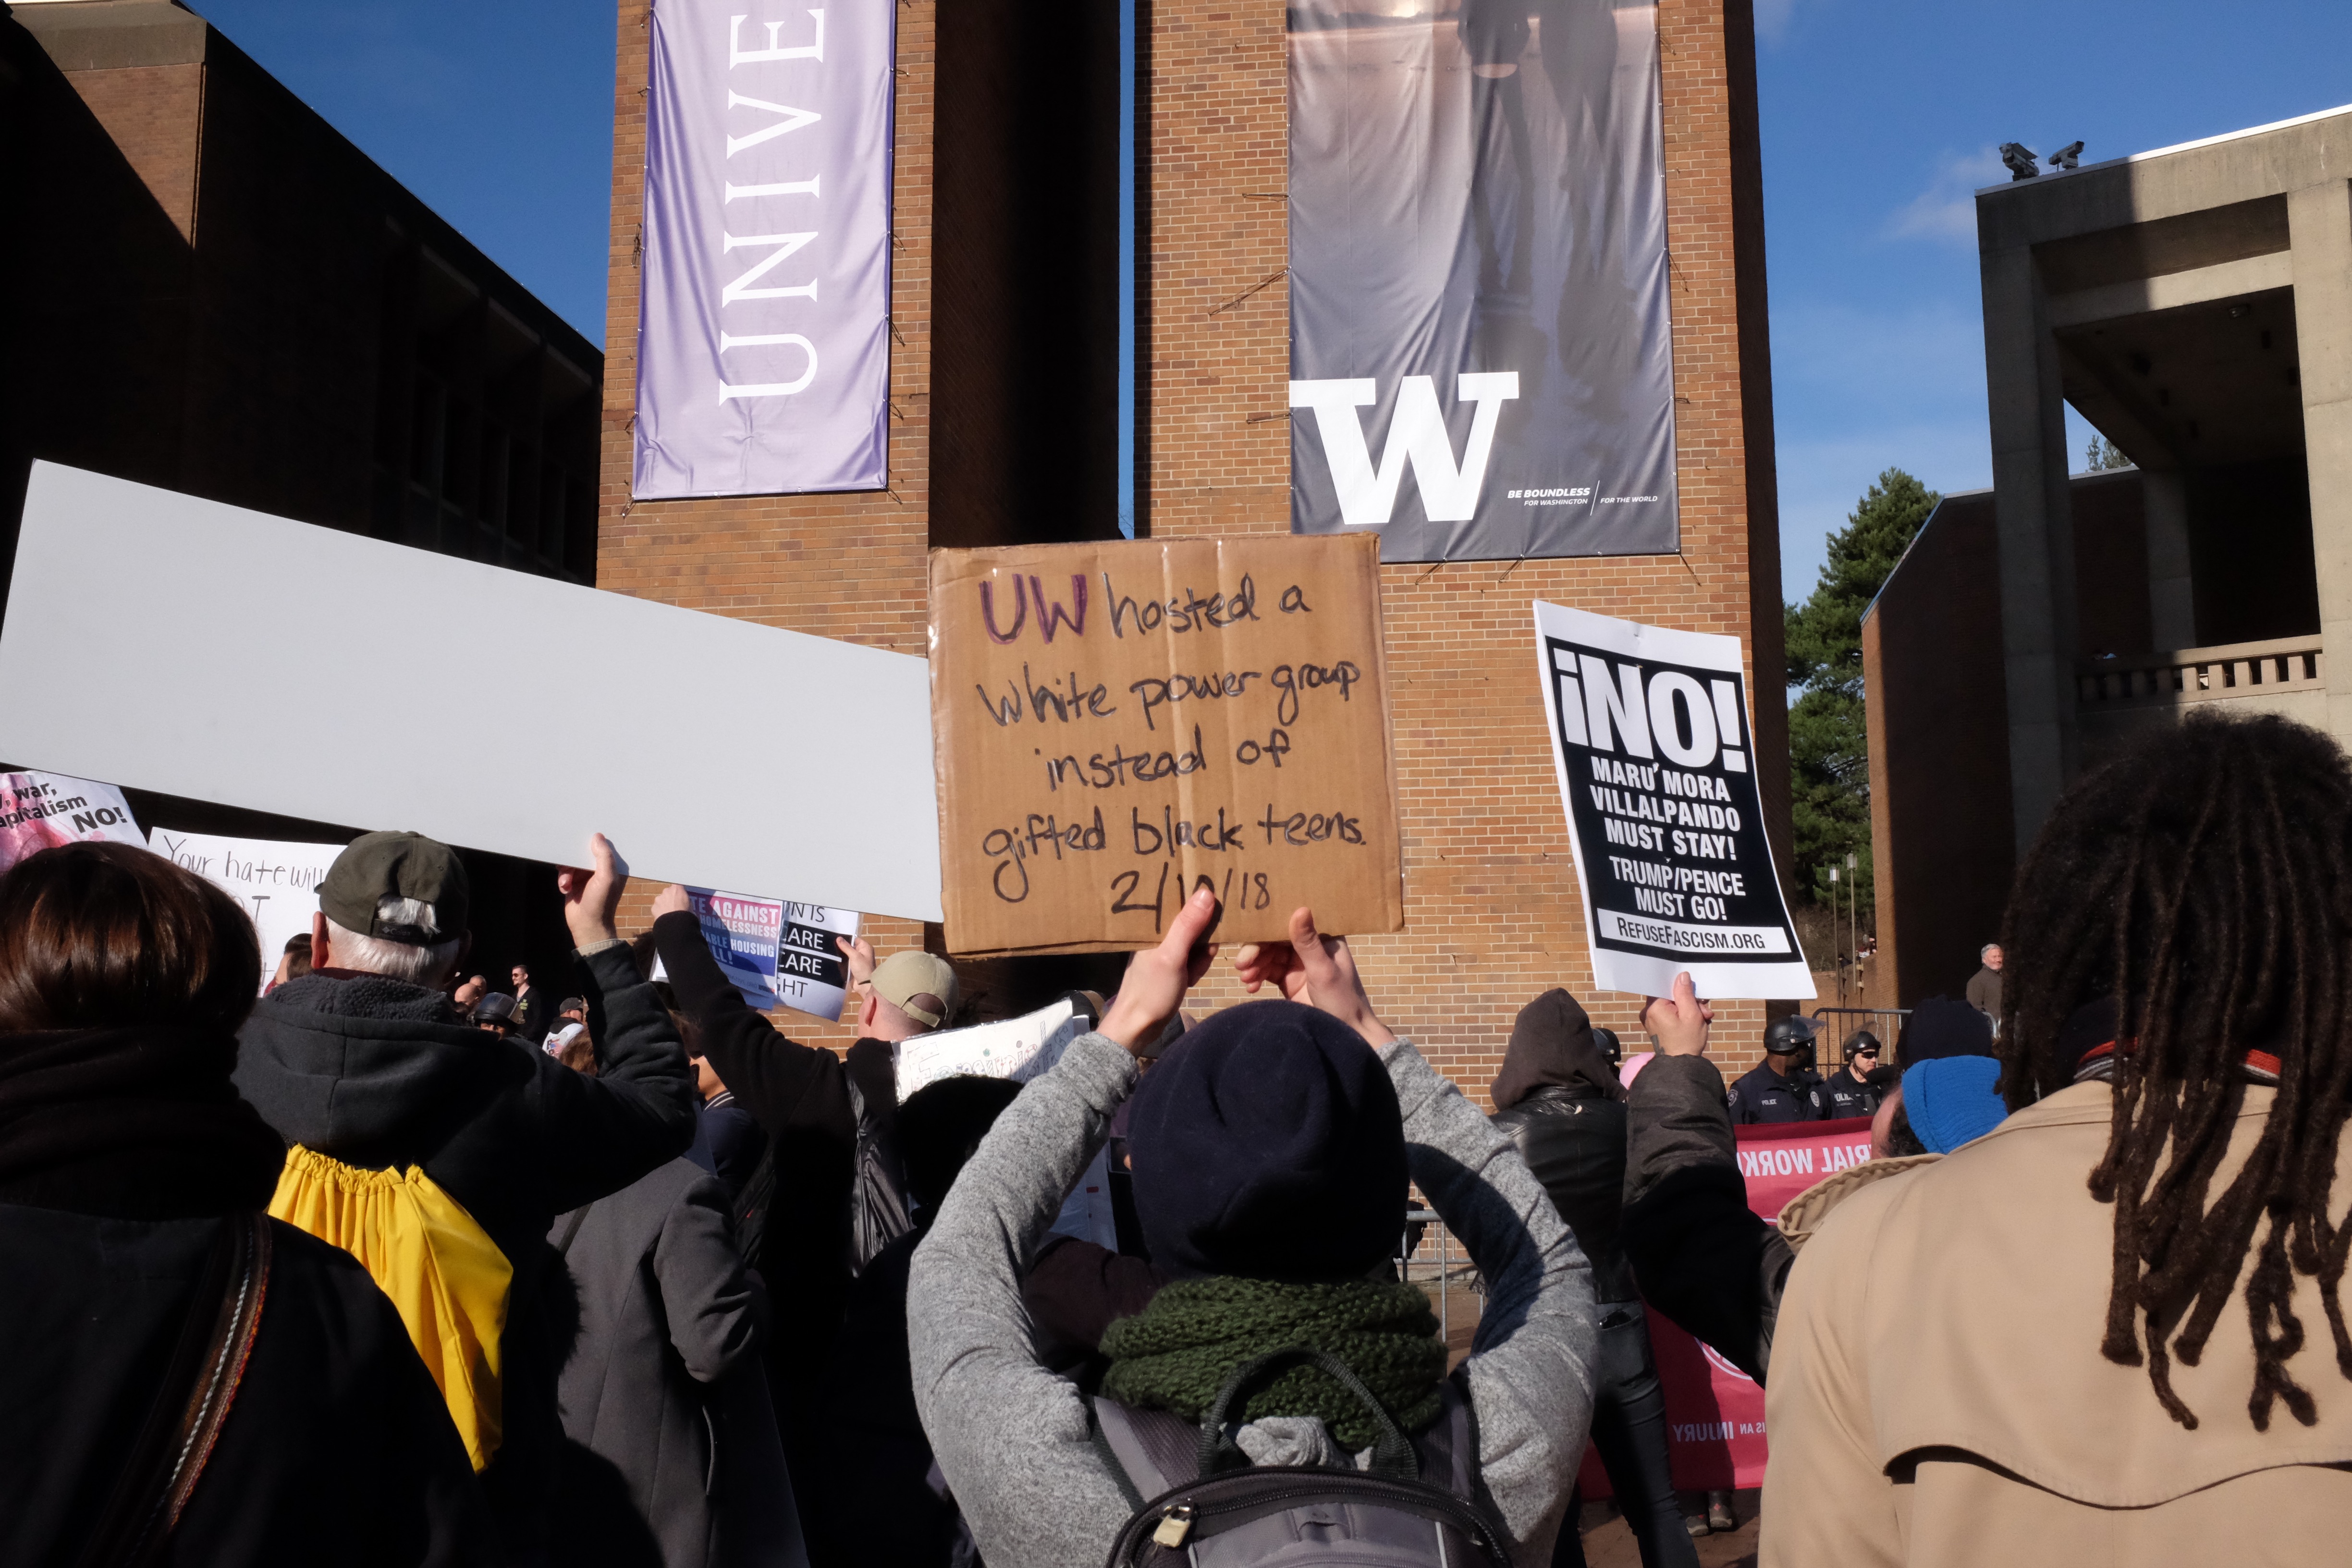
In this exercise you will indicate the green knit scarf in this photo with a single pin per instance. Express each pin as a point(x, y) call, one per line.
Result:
point(1177, 1353)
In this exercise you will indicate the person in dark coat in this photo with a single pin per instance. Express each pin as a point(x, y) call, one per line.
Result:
point(1848, 1093)
point(365, 1062)
point(1558, 1100)
point(672, 1458)
point(1777, 1089)
point(806, 1099)
point(728, 1142)
point(126, 1162)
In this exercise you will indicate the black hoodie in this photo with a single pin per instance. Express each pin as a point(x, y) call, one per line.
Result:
point(381, 1075)
point(1559, 1102)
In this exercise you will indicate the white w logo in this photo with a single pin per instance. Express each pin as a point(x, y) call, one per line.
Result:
point(1417, 434)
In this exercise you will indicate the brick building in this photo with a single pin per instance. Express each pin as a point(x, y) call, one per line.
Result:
point(1492, 913)
point(208, 288)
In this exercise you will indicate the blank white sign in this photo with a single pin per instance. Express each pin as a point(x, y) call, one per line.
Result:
point(171, 644)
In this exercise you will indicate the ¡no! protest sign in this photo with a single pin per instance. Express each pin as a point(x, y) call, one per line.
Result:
point(1116, 725)
point(1657, 769)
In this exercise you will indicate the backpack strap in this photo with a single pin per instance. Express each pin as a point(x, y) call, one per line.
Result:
point(1448, 1446)
point(1123, 1456)
point(199, 1385)
point(1392, 1451)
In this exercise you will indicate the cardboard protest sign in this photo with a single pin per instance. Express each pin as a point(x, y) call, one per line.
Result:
point(1117, 724)
point(621, 673)
point(41, 811)
point(276, 883)
point(1656, 758)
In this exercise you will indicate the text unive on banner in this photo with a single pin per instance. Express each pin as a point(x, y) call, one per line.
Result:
point(1117, 725)
point(1481, 333)
point(1657, 771)
point(763, 333)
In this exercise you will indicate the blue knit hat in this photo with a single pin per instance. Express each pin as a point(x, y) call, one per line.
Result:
point(1267, 1144)
point(1950, 1100)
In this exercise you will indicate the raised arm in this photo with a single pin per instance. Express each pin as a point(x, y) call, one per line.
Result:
point(1701, 1255)
point(598, 1134)
point(792, 1088)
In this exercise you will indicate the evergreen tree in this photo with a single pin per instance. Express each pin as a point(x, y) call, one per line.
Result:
point(1828, 748)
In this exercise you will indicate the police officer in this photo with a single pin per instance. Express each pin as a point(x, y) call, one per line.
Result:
point(1777, 1091)
point(1612, 1050)
point(1848, 1091)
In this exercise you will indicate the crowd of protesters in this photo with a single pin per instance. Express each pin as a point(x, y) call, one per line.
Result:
point(387, 1266)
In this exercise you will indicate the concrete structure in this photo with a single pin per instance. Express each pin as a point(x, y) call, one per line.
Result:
point(1492, 914)
point(2195, 304)
point(206, 287)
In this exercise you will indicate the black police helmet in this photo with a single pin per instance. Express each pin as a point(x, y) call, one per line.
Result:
point(1787, 1037)
point(1613, 1050)
point(1861, 1040)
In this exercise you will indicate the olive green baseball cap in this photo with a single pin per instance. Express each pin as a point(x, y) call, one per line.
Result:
point(401, 887)
point(920, 984)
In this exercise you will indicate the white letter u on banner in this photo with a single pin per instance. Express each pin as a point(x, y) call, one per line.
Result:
point(772, 388)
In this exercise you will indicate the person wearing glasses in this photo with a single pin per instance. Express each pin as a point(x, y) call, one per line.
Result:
point(1848, 1093)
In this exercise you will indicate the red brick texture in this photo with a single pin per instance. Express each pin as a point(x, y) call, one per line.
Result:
point(1491, 908)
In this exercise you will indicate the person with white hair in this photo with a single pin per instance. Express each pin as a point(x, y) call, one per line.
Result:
point(368, 1069)
point(1984, 990)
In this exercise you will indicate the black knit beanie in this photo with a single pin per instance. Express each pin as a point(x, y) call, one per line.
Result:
point(1267, 1144)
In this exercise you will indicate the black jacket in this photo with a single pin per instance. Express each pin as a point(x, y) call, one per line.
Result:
point(1762, 1095)
point(336, 1448)
point(800, 1095)
point(1575, 1144)
point(728, 1142)
point(1844, 1096)
point(1699, 1253)
point(381, 1075)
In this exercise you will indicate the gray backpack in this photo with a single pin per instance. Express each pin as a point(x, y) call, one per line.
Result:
point(1200, 1502)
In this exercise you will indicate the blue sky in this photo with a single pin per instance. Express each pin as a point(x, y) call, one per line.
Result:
point(1879, 121)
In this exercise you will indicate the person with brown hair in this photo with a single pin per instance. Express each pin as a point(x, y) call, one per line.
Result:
point(2162, 1209)
point(148, 1295)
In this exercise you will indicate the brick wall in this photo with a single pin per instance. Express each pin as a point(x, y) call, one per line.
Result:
point(1492, 914)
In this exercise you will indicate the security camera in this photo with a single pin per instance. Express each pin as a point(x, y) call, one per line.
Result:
point(2067, 157)
point(2020, 159)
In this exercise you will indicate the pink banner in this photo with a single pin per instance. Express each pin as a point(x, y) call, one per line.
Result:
point(1715, 1412)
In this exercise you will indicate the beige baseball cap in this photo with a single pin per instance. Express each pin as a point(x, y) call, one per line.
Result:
point(920, 984)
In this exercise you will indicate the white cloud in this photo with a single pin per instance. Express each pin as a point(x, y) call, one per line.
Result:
point(1947, 209)
point(1773, 18)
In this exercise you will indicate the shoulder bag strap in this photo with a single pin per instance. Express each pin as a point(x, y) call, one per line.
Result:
point(198, 1386)
point(1392, 1451)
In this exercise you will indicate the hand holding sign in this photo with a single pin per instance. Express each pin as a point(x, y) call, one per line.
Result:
point(1678, 1022)
point(1316, 970)
point(858, 954)
point(1158, 977)
point(591, 898)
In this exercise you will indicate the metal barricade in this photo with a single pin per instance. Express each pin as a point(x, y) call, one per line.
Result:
point(1886, 1023)
point(1422, 1221)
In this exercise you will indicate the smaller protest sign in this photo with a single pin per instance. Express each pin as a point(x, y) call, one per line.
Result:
point(812, 975)
point(1656, 764)
point(277, 883)
point(41, 811)
point(1013, 1048)
point(776, 951)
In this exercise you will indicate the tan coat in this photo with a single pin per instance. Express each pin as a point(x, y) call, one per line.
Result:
point(1937, 1396)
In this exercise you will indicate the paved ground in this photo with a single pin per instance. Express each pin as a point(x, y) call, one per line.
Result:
point(1608, 1544)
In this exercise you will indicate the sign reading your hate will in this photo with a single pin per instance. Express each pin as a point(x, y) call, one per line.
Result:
point(1117, 724)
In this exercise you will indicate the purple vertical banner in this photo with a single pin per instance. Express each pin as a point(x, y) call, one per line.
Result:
point(764, 321)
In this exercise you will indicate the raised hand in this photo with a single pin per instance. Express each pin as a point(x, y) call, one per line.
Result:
point(591, 897)
point(859, 954)
point(672, 900)
point(1678, 1022)
point(1316, 970)
point(1158, 977)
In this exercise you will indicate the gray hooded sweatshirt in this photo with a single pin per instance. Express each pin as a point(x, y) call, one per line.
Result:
point(1011, 1437)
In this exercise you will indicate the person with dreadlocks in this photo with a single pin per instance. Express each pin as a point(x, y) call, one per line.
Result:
point(1272, 1147)
point(2162, 1212)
